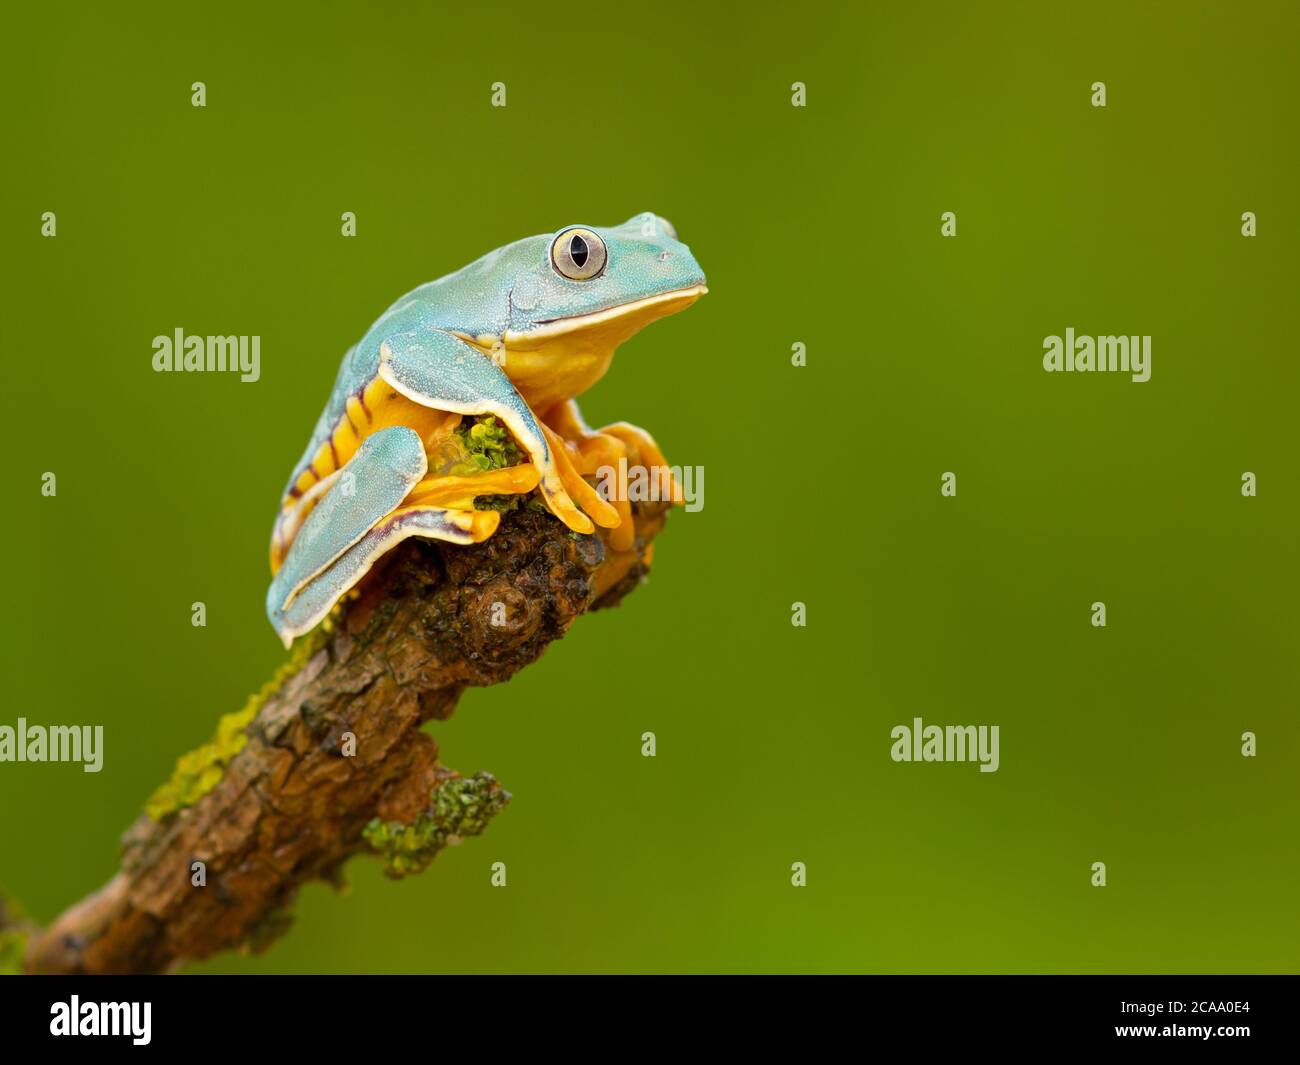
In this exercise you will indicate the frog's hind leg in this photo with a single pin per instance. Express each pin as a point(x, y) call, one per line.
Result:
point(379, 498)
point(319, 595)
point(373, 484)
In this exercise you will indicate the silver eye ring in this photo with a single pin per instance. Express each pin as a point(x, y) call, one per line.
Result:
point(578, 254)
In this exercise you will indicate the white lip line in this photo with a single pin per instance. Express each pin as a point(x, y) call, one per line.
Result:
point(559, 325)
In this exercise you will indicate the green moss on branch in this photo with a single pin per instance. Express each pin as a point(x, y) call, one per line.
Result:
point(459, 808)
point(488, 444)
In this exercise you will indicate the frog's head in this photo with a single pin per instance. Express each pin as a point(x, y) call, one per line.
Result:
point(580, 292)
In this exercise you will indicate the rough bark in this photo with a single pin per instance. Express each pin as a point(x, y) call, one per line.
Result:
point(291, 806)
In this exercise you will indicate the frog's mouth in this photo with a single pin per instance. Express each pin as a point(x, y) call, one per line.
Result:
point(614, 324)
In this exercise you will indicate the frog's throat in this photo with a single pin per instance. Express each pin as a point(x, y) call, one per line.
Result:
point(559, 359)
point(613, 323)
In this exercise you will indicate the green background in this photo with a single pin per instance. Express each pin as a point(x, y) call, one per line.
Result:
point(817, 225)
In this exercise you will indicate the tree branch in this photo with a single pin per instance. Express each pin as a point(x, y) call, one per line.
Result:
point(293, 805)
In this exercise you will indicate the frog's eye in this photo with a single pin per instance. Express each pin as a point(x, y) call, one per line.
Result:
point(578, 254)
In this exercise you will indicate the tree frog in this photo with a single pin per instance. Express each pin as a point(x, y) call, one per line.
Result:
point(517, 334)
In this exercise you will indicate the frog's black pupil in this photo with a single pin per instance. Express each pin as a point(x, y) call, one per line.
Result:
point(578, 251)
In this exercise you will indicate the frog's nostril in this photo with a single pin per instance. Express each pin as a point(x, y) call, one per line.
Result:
point(663, 255)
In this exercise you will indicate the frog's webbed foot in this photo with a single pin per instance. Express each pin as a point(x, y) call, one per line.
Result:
point(600, 451)
point(644, 452)
point(569, 463)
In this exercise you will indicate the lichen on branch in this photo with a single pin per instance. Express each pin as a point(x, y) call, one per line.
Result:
point(460, 808)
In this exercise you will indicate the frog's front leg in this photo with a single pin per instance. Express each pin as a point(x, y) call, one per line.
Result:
point(598, 449)
point(379, 499)
point(386, 466)
point(437, 369)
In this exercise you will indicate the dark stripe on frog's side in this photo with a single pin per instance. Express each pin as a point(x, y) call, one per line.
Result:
point(331, 454)
point(357, 370)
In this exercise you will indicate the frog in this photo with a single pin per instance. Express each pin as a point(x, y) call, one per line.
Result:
point(514, 338)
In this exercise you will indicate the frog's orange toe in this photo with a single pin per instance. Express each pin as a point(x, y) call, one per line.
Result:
point(624, 537)
point(602, 513)
point(482, 524)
